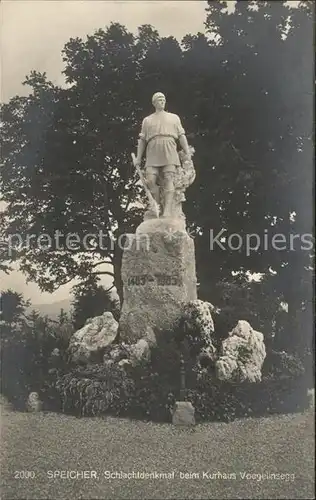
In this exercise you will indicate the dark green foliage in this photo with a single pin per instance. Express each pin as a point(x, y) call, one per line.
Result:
point(215, 400)
point(238, 298)
point(136, 392)
point(141, 393)
point(283, 364)
point(166, 357)
point(99, 389)
point(155, 395)
point(147, 390)
point(260, 151)
point(158, 382)
point(89, 301)
point(33, 354)
point(12, 306)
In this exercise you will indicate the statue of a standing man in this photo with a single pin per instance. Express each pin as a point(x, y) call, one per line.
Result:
point(158, 137)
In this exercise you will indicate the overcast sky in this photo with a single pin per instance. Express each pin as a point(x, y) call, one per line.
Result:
point(33, 34)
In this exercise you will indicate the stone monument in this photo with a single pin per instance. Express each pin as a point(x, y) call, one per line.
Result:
point(158, 265)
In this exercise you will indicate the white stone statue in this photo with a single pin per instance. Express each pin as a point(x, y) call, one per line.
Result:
point(167, 172)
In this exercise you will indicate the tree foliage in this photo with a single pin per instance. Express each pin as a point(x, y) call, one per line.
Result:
point(31, 346)
point(265, 53)
point(12, 307)
point(89, 301)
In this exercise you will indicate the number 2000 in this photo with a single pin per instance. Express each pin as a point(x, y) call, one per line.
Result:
point(24, 474)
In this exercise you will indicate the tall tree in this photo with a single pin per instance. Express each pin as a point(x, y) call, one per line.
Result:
point(12, 307)
point(257, 145)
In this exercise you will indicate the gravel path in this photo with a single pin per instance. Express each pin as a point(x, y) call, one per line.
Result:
point(52, 442)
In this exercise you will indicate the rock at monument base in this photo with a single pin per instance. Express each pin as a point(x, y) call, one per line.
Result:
point(94, 336)
point(158, 274)
point(197, 316)
point(183, 413)
point(198, 326)
point(128, 354)
point(139, 352)
point(207, 356)
point(243, 354)
point(150, 337)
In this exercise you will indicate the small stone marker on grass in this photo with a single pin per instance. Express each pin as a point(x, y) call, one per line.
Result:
point(183, 412)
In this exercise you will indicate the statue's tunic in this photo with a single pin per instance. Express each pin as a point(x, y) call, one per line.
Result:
point(160, 131)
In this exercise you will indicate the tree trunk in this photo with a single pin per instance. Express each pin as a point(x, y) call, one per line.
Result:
point(117, 264)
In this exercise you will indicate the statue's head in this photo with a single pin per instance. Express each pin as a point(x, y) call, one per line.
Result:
point(159, 100)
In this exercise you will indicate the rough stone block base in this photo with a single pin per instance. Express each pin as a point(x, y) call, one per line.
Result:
point(158, 274)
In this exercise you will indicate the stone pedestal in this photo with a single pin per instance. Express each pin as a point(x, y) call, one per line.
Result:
point(158, 274)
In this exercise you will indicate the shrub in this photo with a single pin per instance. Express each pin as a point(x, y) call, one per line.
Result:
point(216, 400)
point(27, 363)
point(155, 393)
point(147, 390)
point(138, 392)
point(99, 389)
point(283, 364)
point(115, 390)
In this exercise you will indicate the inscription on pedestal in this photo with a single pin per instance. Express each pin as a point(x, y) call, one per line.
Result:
point(158, 278)
point(156, 282)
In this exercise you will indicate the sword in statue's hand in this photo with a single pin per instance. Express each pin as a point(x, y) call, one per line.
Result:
point(152, 202)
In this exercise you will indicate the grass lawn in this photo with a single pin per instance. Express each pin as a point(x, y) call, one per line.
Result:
point(48, 442)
